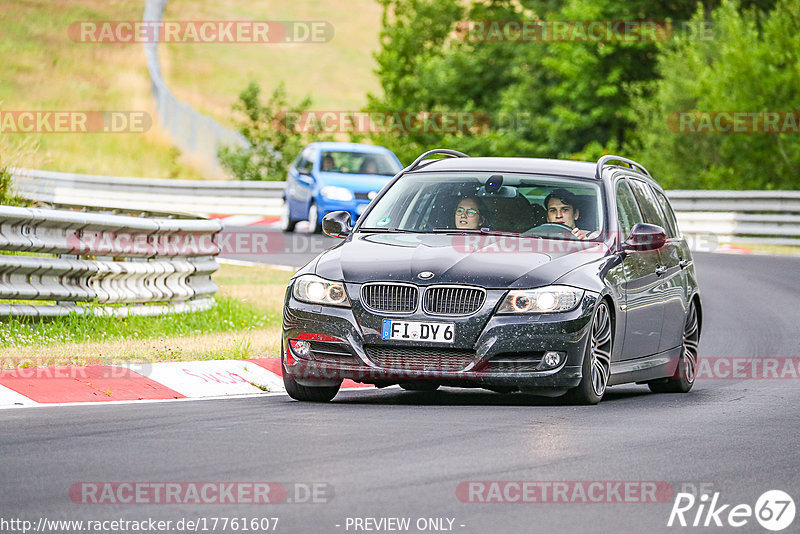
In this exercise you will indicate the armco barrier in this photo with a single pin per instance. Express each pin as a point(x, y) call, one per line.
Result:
point(104, 264)
point(765, 217)
point(761, 217)
point(147, 194)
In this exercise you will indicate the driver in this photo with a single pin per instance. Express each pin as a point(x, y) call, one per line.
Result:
point(561, 209)
point(328, 164)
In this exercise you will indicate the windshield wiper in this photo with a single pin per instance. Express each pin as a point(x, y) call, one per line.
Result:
point(388, 230)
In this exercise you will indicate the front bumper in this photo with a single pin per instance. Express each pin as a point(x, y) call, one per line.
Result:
point(490, 351)
point(354, 207)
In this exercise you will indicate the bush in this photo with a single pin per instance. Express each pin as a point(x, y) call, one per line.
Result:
point(274, 141)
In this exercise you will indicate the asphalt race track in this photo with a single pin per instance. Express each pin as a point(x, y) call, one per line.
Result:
point(390, 453)
point(267, 245)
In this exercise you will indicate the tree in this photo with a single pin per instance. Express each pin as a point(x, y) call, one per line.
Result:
point(551, 98)
point(748, 64)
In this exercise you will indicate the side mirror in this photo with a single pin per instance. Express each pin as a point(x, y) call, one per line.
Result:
point(645, 237)
point(337, 224)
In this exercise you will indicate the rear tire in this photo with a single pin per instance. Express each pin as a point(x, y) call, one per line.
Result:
point(596, 366)
point(686, 372)
point(308, 393)
point(287, 224)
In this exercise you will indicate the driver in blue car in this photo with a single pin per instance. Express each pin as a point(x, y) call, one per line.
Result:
point(561, 209)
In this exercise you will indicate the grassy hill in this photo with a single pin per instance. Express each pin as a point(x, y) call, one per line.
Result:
point(43, 69)
point(337, 74)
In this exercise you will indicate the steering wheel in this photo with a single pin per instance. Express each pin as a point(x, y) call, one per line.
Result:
point(551, 228)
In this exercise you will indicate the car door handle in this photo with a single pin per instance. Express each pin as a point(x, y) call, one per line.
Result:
point(661, 269)
point(684, 263)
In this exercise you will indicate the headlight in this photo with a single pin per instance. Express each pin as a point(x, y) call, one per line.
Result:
point(550, 299)
point(337, 193)
point(316, 290)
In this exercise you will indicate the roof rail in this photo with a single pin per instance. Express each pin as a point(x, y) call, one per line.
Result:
point(605, 159)
point(442, 151)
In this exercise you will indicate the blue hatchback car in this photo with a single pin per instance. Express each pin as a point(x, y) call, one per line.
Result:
point(330, 176)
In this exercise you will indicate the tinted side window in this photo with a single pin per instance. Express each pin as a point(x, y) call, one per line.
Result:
point(627, 211)
point(666, 209)
point(647, 203)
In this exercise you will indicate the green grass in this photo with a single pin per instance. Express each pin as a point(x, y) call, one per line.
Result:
point(228, 314)
point(244, 323)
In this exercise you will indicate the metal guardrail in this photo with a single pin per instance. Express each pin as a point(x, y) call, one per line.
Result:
point(197, 197)
point(709, 217)
point(193, 132)
point(760, 217)
point(90, 263)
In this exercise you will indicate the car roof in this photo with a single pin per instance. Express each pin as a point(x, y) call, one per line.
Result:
point(349, 147)
point(557, 167)
point(582, 169)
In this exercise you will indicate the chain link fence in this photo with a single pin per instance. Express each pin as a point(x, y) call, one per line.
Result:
point(192, 132)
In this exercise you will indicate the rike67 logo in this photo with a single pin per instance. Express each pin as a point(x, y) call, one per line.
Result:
point(774, 510)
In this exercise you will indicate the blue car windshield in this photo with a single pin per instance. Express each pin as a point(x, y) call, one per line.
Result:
point(358, 163)
point(524, 204)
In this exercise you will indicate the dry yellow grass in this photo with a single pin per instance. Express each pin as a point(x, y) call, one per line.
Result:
point(337, 74)
point(45, 70)
point(257, 343)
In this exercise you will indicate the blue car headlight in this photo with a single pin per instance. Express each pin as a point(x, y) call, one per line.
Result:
point(315, 290)
point(548, 299)
point(334, 192)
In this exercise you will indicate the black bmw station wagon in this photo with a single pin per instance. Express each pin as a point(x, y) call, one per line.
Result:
point(558, 278)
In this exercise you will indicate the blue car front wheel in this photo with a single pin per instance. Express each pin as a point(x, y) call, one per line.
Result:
point(314, 225)
point(287, 224)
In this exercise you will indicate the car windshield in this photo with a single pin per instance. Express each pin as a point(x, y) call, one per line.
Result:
point(522, 204)
point(359, 163)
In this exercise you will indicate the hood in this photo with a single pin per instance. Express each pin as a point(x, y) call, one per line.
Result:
point(353, 182)
point(482, 260)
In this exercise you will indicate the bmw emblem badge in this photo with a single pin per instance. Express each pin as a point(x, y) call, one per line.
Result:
point(425, 275)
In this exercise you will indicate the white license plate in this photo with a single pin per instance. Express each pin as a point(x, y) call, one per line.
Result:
point(417, 331)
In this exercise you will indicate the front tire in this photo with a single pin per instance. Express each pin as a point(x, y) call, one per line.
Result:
point(596, 366)
point(308, 393)
point(313, 219)
point(287, 224)
point(686, 372)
